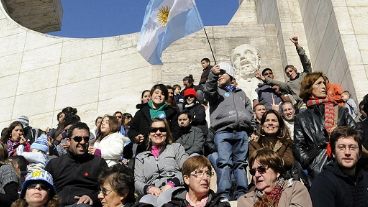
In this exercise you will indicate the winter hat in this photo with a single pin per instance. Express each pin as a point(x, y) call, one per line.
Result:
point(24, 120)
point(227, 68)
point(190, 92)
point(38, 176)
point(41, 143)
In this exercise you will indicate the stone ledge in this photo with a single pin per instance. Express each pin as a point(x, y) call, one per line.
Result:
point(39, 15)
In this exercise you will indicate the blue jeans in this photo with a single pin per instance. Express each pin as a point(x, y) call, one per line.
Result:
point(232, 148)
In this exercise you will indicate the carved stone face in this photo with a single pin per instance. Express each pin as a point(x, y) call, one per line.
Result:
point(246, 60)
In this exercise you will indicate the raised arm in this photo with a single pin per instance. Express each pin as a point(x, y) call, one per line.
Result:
point(307, 66)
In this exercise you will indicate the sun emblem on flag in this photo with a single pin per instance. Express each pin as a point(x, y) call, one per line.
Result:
point(163, 15)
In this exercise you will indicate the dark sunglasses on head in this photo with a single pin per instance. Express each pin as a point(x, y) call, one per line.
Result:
point(261, 170)
point(154, 130)
point(79, 139)
point(38, 186)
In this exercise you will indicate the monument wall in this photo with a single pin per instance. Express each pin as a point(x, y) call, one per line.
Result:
point(40, 74)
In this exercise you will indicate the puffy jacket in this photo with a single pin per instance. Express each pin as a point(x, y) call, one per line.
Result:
point(310, 136)
point(149, 170)
point(179, 199)
point(334, 188)
point(229, 110)
point(111, 147)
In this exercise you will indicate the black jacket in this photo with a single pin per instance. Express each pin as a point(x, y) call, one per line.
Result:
point(198, 113)
point(76, 176)
point(333, 188)
point(310, 136)
point(141, 124)
point(178, 200)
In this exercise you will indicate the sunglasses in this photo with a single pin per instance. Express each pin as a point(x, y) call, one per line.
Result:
point(79, 139)
point(261, 170)
point(38, 186)
point(154, 130)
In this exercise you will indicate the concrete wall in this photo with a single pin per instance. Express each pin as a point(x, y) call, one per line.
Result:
point(337, 33)
point(41, 74)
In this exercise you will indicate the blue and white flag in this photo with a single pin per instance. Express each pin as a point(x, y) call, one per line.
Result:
point(164, 22)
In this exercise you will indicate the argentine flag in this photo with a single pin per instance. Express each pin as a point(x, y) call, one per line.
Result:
point(164, 22)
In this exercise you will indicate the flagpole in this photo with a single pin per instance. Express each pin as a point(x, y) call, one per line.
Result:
point(208, 40)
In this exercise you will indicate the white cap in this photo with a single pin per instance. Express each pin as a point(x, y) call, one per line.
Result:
point(227, 68)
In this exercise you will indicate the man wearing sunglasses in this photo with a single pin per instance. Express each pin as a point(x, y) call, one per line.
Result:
point(76, 173)
point(343, 182)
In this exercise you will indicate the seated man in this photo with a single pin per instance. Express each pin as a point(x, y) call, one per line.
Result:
point(342, 183)
point(76, 173)
point(189, 136)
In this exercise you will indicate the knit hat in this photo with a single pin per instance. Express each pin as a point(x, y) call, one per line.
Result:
point(41, 143)
point(24, 120)
point(38, 176)
point(190, 92)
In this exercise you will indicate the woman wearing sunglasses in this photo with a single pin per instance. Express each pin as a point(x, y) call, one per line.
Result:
point(274, 134)
point(197, 173)
point(37, 191)
point(271, 189)
point(158, 169)
point(156, 107)
point(109, 142)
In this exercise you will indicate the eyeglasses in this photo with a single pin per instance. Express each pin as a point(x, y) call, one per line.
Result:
point(79, 139)
point(202, 173)
point(105, 192)
point(260, 169)
point(351, 147)
point(38, 186)
point(119, 117)
point(154, 130)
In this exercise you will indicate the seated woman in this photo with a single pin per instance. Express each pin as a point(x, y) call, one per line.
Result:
point(9, 181)
point(109, 143)
point(274, 134)
point(156, 107)
point(117, 187)
point(270, 187)
point(197, 173)
point(37, 191)
point(195, 109)
point(158, 169)
point(14, 137)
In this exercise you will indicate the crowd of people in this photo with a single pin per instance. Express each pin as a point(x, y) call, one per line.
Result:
point(298, 143)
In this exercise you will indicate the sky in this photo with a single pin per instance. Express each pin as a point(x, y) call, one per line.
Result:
point(103, 18)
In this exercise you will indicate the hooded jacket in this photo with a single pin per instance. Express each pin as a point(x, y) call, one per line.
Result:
point(335, 189)
point(230, 110)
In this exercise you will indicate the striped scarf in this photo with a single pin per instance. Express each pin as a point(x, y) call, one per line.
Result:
point(330, 118)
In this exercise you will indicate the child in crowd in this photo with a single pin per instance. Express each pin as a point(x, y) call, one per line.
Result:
point(350, 104)
point(38, 157)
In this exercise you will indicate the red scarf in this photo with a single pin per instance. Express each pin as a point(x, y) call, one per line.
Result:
point(330, 124)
